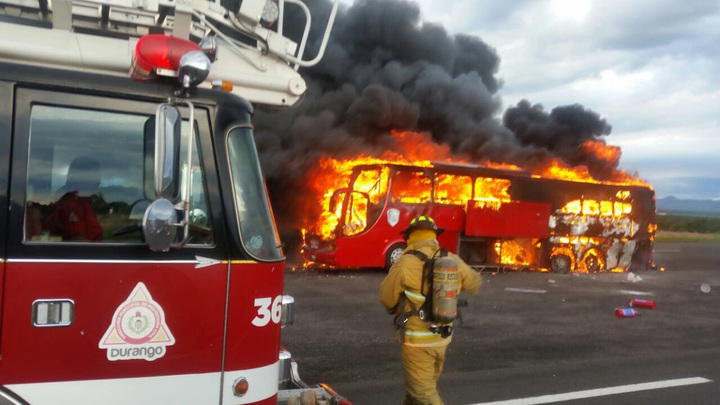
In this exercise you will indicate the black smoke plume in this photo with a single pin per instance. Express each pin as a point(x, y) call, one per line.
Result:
point(386, 69)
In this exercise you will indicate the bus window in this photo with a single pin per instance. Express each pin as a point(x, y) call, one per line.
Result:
point(492, 191)
point(86, 178)
point(356, 214)
point(366, 202)
point(453, 190)
point(372, 182)
point(375, 184)
point(411, 187)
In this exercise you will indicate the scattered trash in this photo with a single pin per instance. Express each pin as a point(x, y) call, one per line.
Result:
point(641, 303)
point(633, 278)
point(551, 281)
point(626, 312)
point(705, 288)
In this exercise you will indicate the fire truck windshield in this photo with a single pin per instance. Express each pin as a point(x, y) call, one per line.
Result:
point(257, 227)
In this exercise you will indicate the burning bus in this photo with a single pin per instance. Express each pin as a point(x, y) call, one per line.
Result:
point(495, 218)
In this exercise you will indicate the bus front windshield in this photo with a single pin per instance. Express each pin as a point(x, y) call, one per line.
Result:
point(366, 201)
point(257, 226)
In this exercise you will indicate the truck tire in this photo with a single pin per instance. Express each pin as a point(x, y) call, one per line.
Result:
point(393, 254)
point(560, 263)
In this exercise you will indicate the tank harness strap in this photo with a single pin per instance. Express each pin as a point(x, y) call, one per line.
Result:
point(426, 305)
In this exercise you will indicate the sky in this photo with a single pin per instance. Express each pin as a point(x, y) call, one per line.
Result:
point(651, 68)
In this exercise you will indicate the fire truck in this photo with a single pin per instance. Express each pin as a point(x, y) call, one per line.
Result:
point(139, 258)
point(495, 219)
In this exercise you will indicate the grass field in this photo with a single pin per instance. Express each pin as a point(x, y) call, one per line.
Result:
point(677, 236)
point(688, 227)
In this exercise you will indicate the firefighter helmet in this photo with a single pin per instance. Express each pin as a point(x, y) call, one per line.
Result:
point(422, 222)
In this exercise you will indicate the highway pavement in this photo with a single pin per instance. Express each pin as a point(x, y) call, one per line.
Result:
point(528, 338)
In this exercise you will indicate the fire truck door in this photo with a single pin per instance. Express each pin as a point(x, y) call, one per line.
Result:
point(91, 315)
point(6, 103)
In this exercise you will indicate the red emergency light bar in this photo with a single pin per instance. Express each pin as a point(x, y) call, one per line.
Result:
point(159, 54)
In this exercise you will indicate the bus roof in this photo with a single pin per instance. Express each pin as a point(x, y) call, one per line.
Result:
point(451, 168)
point(474, 170)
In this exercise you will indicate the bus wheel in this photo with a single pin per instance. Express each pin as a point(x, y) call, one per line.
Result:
point(592, 261)
point(560, 263)
point(393, 254)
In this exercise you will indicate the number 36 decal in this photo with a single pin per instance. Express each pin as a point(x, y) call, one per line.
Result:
point(267, 309)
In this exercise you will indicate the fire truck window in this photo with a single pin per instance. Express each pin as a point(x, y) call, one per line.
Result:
point(200, 223)
point(411, 187)
point(451, 189)
point(86, 177)
point(257, 226)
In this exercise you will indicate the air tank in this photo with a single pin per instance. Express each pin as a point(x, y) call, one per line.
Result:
point(446, 287)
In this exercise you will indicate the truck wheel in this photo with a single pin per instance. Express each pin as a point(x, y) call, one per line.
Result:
point(560, 263)
point(393, 254)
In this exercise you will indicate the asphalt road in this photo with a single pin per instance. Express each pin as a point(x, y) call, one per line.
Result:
point(527, 335)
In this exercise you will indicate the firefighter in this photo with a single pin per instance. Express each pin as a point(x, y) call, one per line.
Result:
point(423, 344)
point(72, 216)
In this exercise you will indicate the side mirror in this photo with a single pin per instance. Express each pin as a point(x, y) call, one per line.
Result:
point(161, 219)
point(167, 151)
point(159, 225)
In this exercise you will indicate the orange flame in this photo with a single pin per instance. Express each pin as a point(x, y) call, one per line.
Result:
point(419, 150)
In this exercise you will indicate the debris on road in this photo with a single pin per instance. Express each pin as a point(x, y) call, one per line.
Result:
point(626, 312)
point(641, 303)
point(705, 288)
point(633, 278)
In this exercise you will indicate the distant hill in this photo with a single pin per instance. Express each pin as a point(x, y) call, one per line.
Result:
point(672, 204)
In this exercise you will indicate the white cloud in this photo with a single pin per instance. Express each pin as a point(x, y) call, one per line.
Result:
point(610, 80)
point(574, 10)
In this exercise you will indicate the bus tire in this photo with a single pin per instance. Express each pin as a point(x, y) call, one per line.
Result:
point(593, 261)
point(393, 254)
point(560, 263)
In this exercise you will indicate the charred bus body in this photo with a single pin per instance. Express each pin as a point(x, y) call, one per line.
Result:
point(494, 219)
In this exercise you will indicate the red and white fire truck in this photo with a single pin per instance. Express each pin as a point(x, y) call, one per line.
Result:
point(139, 259)
point(495, 219)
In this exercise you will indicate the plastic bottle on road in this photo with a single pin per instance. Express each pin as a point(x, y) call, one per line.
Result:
point(641, 303)
point(626, 312)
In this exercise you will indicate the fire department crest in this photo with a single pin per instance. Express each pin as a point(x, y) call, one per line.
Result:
point(393, 216)
point(138, 329)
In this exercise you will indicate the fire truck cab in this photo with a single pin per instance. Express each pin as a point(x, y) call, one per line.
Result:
point(139, 259)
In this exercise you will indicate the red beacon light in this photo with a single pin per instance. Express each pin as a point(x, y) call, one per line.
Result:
point(159, 54)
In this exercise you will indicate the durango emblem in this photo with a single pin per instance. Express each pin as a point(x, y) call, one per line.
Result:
point(138, 329)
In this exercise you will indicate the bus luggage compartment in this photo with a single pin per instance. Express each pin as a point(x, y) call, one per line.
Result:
point(517, 219)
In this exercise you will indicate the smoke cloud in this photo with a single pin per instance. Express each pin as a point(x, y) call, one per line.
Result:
point(384, 69)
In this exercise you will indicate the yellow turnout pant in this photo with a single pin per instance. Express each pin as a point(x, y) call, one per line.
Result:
point(421, 369)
